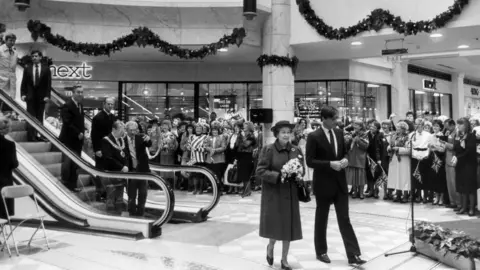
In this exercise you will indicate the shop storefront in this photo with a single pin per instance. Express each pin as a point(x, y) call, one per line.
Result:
point(197, 99)
point(429, 96)
point(472, 100)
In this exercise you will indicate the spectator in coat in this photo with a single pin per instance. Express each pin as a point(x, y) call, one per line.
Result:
point(9, 163)
point(279, 209)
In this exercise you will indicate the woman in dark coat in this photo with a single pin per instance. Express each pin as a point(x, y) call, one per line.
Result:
point(279, 210)
point(465, 161)
point(9, 163)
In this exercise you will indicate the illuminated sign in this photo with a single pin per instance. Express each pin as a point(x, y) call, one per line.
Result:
point(72, 72)
point(430, 84)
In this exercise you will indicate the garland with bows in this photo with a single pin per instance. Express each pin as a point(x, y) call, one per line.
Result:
point(275, 60)
point(27, 60)
point(141, 36)
point(377, 19)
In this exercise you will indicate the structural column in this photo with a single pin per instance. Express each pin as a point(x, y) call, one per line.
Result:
point(400, 94)
point(278, 82)
point(458, 96)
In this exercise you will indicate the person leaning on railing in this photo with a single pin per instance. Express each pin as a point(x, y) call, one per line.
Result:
point(9, 163)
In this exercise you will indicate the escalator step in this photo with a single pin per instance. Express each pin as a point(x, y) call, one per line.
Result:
point(19, 126)
point(18, 136)
point(84, 180)
point(48, 157)
point(54, 169)
point(36, 147)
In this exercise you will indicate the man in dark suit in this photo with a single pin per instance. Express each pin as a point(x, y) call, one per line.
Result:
point(35, 90)
point(101, 126)
point(326, 154)
point(137, 157)
point(72, 134)
point(9, 163)
point(114, 154)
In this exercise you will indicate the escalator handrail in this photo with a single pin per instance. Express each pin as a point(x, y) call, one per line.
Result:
point(194, 169)
point(168, 168)
point(170, 200)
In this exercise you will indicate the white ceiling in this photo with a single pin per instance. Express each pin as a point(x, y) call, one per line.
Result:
point(427, 51)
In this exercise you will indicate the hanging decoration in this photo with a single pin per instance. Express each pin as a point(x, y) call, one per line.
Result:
point(378, 19)
point(141, 36)
point(275, 60)
point(27, 60)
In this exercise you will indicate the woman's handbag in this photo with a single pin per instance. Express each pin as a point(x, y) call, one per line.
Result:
point(304, 193)
point(233, 175)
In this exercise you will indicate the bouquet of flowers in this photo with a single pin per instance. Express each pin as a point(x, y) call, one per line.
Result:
point(168, 142)
point(292, 171)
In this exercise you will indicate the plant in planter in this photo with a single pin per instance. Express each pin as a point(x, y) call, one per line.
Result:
point(448, 242)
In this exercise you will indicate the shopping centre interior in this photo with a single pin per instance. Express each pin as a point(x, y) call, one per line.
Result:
point(438, 76)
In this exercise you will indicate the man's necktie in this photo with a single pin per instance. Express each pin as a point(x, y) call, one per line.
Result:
point(332, 142)
point(10, 50)
point(133, 152)
point(37, 75)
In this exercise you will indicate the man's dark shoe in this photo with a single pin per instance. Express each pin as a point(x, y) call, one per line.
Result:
point(324, 258)
point(356, 260)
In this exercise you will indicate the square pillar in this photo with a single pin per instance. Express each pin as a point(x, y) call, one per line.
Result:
point(458, 96)
point(400, 92)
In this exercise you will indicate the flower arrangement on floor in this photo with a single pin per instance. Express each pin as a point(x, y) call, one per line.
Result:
point(292, 171)
point(142, 36)
point(447, 240)
point(377, 19)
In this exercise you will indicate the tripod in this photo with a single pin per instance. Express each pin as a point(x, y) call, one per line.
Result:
point(413, 248)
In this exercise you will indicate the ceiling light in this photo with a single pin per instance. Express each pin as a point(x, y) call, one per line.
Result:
point(223, 50)
point(463, 47)
point(373, 85)
point(436, 35)
point(356, 43)
point(419, 92)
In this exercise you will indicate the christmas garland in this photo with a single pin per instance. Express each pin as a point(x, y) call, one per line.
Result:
point(27, 60)
point(142, 36)
point(283, 61)
point(377, 19)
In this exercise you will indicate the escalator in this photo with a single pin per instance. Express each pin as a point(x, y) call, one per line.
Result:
point(188, 207)
point(40, 165)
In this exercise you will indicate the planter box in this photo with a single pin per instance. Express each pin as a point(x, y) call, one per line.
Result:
point(448, 258)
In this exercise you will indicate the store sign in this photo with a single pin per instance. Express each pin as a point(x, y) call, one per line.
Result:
point(307, 107)
point(79, 72)
point(226, 103)
point(429, 84)
point(474, 91)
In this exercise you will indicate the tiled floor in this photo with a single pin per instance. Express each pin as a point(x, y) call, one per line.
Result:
point(229, 240)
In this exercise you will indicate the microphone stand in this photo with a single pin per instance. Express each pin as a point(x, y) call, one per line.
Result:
point(413, 248)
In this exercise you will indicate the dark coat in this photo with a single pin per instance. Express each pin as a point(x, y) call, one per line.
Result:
point(279, 210)
point(101, 126)
point(319, 154)
point(141, 153)
point(466, 168)
point(42, 89)
point(8, 164)
point(112, 157)
point(73, 123)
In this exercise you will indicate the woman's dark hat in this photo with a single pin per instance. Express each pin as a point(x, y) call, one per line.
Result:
point(281, 124)
point(153, 121)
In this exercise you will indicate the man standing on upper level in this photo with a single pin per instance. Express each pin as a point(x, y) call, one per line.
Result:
point(8, 65)
point(35, 90)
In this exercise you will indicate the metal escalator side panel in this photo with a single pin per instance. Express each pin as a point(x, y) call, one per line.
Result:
point(46, 204)
point(62, 199)
point(96, 219)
